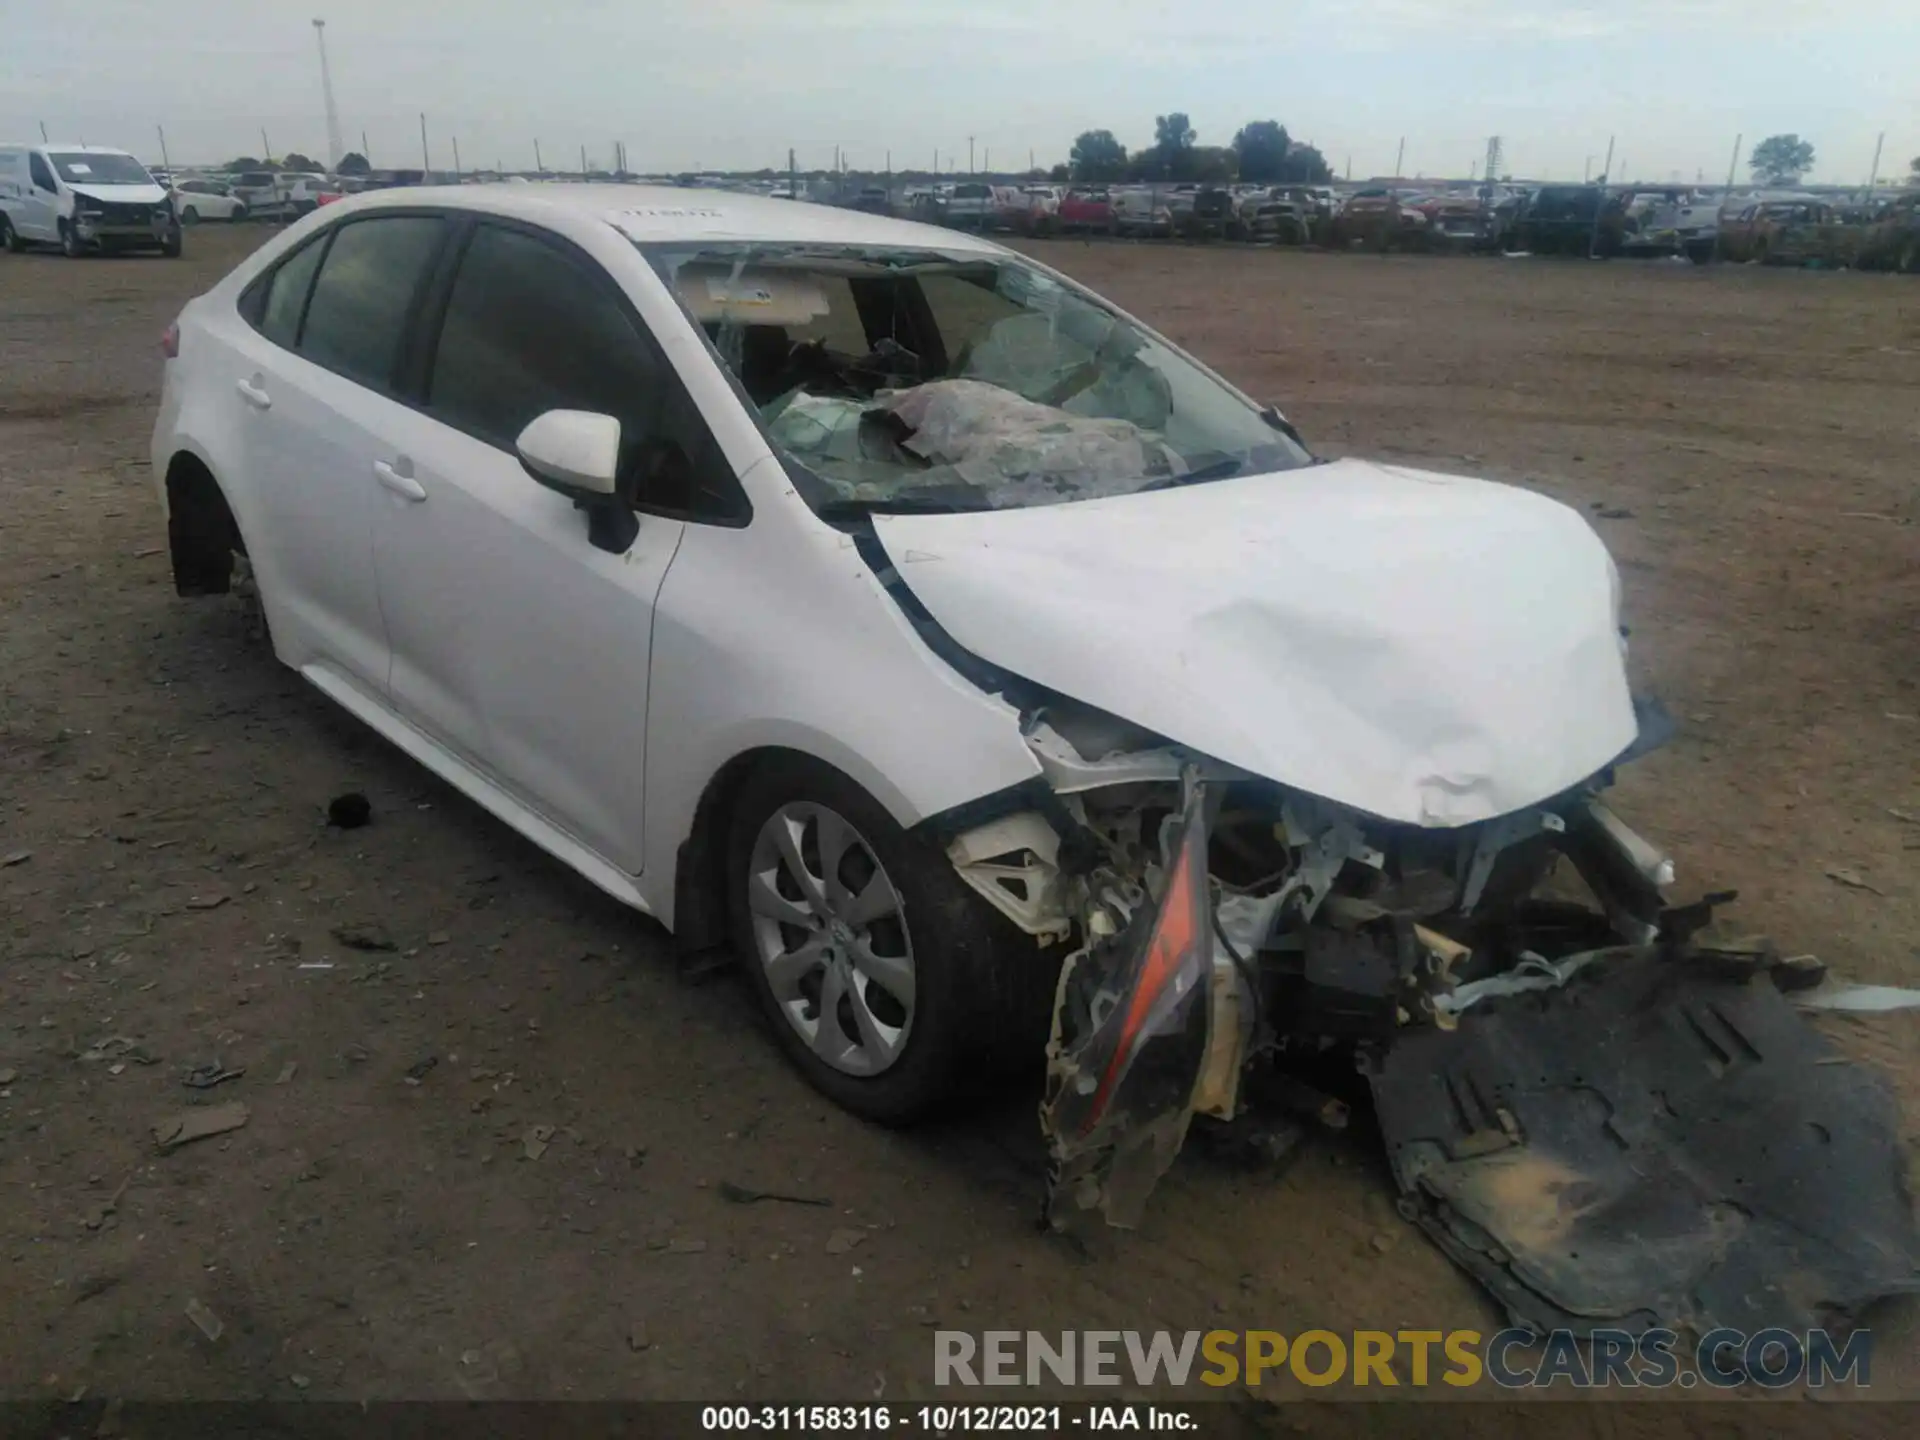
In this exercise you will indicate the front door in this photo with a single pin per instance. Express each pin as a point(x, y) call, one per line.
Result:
point(516, 642)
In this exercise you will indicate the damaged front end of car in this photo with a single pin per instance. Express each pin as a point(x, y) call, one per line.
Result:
point(1606, 1115)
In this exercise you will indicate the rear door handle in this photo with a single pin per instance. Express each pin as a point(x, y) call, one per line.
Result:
point(405, 486)
point(254, 395)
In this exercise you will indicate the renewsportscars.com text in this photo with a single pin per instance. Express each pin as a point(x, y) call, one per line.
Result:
point(1510, 1359)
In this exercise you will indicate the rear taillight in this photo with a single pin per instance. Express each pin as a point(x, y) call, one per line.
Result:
point(170, 341)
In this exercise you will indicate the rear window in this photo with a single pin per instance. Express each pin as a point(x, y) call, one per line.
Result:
point(361, 300)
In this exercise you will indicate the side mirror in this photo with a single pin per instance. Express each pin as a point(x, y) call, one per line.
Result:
point(573, 451)
point(577, 453)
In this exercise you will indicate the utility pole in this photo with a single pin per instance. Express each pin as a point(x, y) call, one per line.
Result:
point(161, 130)
point(1873, 175)
point(538, 164)
point(1600, 205)
point(793, 176)
point(986, 160)
point(1733, 165)
point(366, 150)
point(334, 148)
point(266, 149)
point(1399, 159)
point(456, 159)
point(426, 160)
point(43, 132)
point(970, 169)
point(583, 162)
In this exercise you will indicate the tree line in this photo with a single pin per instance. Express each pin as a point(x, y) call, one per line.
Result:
point(1262, 152)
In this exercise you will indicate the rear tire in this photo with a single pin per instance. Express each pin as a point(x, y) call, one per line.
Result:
point(977, 990)
point(10, 238)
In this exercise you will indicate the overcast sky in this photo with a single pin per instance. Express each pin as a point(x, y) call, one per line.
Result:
point(716, 84)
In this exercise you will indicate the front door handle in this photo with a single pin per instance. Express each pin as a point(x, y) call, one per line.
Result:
point(254, 394)
point(405, 486)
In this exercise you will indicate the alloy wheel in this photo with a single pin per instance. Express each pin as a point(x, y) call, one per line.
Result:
point(830, 932)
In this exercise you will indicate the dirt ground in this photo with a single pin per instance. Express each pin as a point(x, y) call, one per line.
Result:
point(380, 1227)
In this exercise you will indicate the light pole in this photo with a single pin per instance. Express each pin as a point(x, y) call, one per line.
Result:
point(334, 148)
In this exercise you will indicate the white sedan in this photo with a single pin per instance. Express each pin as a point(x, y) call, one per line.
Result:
point(880, 603)
point(197, 200)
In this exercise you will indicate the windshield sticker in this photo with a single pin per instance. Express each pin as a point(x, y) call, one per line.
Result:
point(737, 292)
point(77, 168)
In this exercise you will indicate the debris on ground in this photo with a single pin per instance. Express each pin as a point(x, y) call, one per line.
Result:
point(287, 1072)
point(199, 1123)
point(204, 1320)
point(637, 1336)
point(1860, 999)
point(536, 1140)
point(205, 1077)
point(117, 1047)
point(1853, 880)
point(100, 1213)
point(742, 1195)
point(207, 902)
point(841, 1241)
point(370, 937)
point(419, 1070)
point(349, 811)
point(9, 1075)
point(686, 1247)
point(17, 857)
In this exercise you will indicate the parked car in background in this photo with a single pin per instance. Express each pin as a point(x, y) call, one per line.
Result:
point(1209, 213)
point(1141, 210)
point(1456, 222)
point(301, 192)
point(197, 200)
point(1378, 219)
point(1892, 238)
point(1561, 220)
point(968, 206)
point(1087, 207)
point(1789, 232)
point(872, 200)
point(258, 190)
point(82, 198)
point(1281, 216)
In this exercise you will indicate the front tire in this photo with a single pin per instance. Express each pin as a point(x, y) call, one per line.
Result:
point(71, 245)
point(171, 246)
point(886, 980)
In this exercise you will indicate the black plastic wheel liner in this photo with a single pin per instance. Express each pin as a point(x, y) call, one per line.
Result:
point(1651, 1145)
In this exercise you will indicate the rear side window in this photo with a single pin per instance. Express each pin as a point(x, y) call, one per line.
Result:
point(286, 298)
point(358, 312)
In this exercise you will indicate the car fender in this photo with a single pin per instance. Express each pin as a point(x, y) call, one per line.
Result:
point(779, 635)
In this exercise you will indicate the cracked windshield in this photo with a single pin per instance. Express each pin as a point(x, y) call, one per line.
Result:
point(921, 380)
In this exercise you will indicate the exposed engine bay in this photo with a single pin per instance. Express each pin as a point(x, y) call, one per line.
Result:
point(1604, 1114)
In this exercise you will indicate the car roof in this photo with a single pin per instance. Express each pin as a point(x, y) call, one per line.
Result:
point(650, 214)
point(81, 149)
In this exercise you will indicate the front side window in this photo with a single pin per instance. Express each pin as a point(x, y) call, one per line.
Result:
point(358, 311)
point(42, 175)
point(89, 167)
point(975, 382)
point(530, 328)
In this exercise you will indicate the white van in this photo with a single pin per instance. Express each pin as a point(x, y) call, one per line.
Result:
point(82, 198)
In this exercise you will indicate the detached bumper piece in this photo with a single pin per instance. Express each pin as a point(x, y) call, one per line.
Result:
point(1651, 1144)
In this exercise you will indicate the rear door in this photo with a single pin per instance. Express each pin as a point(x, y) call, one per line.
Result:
point(36, 217)
point(316, 384)
point(517, 644)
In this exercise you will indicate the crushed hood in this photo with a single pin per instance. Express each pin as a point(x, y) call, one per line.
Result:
point(1426, 648)
point(121, 194)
